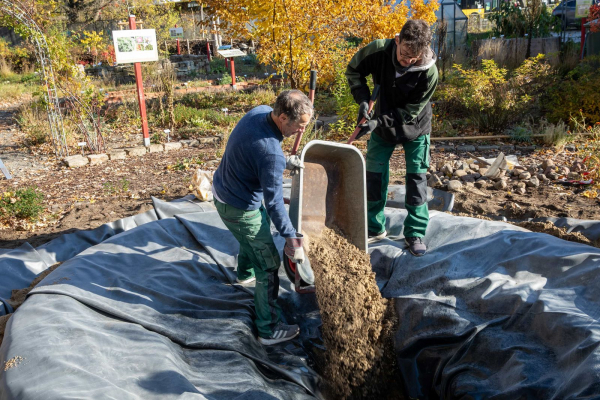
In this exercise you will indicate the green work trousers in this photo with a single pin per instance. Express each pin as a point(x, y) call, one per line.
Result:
point(378, 177)
point(258, 257)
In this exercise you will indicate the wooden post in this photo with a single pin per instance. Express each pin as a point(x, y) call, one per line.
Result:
point(139, 82)
point(188, 45)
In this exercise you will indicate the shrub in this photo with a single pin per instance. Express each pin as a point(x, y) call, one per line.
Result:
point(576, 93)
point(22, 204)
point(33, 121)
point(492, 97)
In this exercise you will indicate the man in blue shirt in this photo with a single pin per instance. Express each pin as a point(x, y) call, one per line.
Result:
point(251, 171)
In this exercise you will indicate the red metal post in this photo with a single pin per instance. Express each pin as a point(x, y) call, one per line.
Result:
point(232, 73)
point(226, 62)
point(137, 67)
point(178, 48)
point(583, 22)
point(208, 50)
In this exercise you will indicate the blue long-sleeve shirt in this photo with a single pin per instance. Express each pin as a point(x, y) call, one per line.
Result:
point(252, 168)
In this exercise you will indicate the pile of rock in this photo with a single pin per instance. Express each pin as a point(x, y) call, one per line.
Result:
point(458, 174)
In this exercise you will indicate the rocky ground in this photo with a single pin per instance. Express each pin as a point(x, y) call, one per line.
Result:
point(89, 196)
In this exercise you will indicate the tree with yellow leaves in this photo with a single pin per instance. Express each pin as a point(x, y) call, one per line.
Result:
point(296, 36)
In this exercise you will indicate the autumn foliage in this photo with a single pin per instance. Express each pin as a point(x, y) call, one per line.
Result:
point(296, 36)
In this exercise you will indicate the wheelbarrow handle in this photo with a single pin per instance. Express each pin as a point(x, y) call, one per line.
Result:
point(363, 120)
point(311, 96)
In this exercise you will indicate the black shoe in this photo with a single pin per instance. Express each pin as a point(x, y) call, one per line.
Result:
point(374, 237)
point(416, 246)
point(281, 333)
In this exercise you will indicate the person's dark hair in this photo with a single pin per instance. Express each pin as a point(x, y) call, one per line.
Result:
point(292, 103)
point(416, 34)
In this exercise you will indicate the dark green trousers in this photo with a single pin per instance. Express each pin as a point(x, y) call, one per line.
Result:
point(258, 257)
point(378, 179)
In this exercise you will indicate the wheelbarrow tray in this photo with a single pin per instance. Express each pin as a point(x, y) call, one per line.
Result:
point(329, 192)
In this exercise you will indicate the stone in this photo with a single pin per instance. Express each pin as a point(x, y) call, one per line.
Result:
point(542, 177)
point(209, 140)
point(549, 170)
point(445, 147)
point(533, 182)
point(578, 166)
point(156, 148)
point(507, 148)
point(117, 155)
point(172, 146)
point(480, 184)
point(488, 148)
point(97, 158)
point(520, 190)
point(520, 184)
point(136, 151)
point(212, 164)
point(571, 147)
point(76, 161)
point(483, 171)
point(432, 169)
point(460, 173)
point(525, 149)
point(524, 175)
point(574, 176)
point(474, 167)
point(552, 176)
point(454, 186)
point(469, 178)
point(440, 164)
point(467, 147)
point(469, 184)
point(447, 170)
point(548, 162)
point(434, 181)
point(194, 143)
point(564, 171)
point(501, 185)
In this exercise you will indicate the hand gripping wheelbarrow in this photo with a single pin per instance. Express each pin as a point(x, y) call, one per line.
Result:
point(329, 192)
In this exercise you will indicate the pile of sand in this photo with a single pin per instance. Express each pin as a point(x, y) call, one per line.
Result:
point(561, 233)
point(18, 296)
point(358, 324)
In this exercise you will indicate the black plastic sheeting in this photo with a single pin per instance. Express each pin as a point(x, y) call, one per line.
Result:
point(491, 311)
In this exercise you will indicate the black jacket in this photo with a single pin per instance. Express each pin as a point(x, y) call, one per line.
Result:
point(403, 109)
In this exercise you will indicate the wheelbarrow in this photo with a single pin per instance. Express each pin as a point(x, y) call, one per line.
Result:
point(330, 191)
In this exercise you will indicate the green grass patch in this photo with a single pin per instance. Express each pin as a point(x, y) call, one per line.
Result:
point(22, 203)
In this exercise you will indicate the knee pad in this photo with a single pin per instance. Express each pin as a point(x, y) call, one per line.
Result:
point(416, 189)
point(374, 183)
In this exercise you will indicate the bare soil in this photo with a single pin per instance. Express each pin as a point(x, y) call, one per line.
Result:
point(87, 197)
point(358, 324)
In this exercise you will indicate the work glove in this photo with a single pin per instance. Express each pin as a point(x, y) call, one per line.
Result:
point(366, 128)
point(293, 163)
point(363, 112)
point(293, 249)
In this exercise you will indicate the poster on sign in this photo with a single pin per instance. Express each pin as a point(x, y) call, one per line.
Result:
point(137, 45)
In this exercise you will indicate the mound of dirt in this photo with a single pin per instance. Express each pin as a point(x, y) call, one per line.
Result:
point(358, 324)
point(561, 233)
point(18, 296)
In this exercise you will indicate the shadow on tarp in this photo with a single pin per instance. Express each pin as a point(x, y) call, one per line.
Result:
point(160, 278)
point(493, 311)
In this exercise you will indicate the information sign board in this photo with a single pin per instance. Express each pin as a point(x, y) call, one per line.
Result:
point(133, 46)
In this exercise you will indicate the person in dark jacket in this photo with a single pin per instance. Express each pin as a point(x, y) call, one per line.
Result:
point(404, 68)
point(252, 171)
